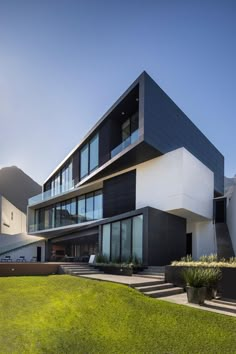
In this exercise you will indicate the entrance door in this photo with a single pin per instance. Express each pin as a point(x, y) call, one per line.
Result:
point(220, 210)
point(39, 252)
point(189, 244)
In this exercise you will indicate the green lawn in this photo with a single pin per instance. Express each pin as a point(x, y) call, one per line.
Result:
point(64, 314)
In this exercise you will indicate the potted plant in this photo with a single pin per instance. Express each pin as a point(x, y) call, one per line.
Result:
point(196, 280)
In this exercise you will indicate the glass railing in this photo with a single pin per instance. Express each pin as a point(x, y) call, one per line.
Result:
point(51, 193)
point(130, 140)
point(68, 220)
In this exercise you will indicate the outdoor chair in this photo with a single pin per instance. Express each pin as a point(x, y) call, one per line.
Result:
point(6, 259)
point(21, 259)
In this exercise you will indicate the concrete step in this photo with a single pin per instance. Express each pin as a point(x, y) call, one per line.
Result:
point(153, 276)
point(161, 285)
point(164, 292)
point(83, 272)
point(147, 283)
point(80, 268)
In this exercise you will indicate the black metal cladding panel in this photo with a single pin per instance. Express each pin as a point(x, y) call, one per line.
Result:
point(166, 237)
point(75, 166)
point(104, 142)
point(119, 194)
point(167, 128)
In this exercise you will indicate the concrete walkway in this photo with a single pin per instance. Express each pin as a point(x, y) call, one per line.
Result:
point(218, 306)
point(120, 279)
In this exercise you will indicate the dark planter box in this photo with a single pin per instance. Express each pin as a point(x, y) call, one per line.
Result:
point(196, 295)
point(116, 270)
point(228, 283)
point(226, 286)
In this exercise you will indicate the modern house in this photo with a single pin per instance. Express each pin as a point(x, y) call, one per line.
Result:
point(140, 184)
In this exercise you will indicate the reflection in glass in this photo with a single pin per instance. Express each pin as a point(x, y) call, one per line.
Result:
point(89, 207)
point(138, 237)
point(115, 251)
point(97, 205)
point(81, 209)
point(84, 161)
point(125, 240)
point(106, 240)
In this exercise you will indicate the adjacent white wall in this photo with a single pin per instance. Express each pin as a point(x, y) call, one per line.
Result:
point(27, 251)
point(231, 218)
point(203, 238)
point(176, 181)
point(13, 221)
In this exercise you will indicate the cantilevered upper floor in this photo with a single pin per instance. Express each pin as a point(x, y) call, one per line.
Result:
point(142, 124)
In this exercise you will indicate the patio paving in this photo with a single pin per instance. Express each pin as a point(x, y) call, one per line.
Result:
point(218, 306)
point(121, 279)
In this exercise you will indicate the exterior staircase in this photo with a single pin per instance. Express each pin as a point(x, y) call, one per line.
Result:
point(158, 287)
point(78, 269)
point(223, 241)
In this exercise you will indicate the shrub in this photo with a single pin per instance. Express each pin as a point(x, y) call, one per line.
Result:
point(187, 259)
point(199, 277)
point(195, 277)
point(100, 258)
point(213, 275)
point(209, 259)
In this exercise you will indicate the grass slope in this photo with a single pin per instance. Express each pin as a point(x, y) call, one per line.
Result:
point(64, 314)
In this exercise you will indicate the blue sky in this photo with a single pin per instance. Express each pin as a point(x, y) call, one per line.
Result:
point(63, 63)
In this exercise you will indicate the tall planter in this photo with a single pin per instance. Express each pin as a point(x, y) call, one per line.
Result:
point(196, 295)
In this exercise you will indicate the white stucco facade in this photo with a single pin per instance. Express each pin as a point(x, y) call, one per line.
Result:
point(12, 220)
point(28, 252)
point(231, 218)
point(180, 184)
point(176, 182)
point(203, 238)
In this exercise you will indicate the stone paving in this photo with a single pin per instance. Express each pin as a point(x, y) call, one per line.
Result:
point(121, 279)
point(217, 306)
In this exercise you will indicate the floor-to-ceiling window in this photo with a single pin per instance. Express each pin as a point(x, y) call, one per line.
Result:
point(125, 239)
point(72, 211)
point(84, 157)
point(137, 236)
point(115, 243)
point(106, 240)
point(89, 156)
point(62, 181)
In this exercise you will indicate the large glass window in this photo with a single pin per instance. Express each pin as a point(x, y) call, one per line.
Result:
point(58, 215)
point(76, 210)
point(89, 207)
point(138, 237)
point(93, 153)
point(81, 209)
point(115, 241)
point(106, 240)
point(97, 205)
point(74, 218)
point(125, 240)
point(89, 157)
point(84, 154)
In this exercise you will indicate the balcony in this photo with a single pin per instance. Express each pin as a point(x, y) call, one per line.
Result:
point(130, 140)
point(51, 193)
